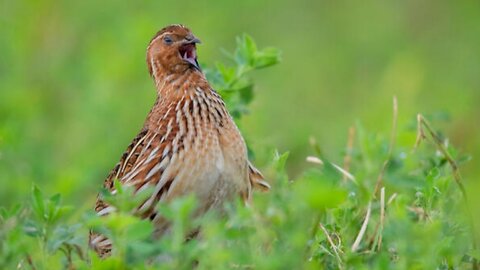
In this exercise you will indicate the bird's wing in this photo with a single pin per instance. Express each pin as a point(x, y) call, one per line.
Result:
point(143, 164)
point(127, 160)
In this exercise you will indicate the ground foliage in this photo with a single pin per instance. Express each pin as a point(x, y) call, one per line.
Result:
point(388, 205)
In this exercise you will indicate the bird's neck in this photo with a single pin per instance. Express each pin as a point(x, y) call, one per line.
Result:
point(176, 84)
point(181, 94)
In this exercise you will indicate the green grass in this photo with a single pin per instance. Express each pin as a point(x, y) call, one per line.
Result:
point(401, 205)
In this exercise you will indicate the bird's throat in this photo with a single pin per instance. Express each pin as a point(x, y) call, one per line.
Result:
point(180, 84)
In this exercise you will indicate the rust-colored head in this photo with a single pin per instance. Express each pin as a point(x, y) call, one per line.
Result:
point(172, 50)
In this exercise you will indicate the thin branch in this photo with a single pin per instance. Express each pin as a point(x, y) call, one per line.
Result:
point(334, 248)
point(420, 133)
point(30, 262)
point(390, 200)
point(372, 240)
point(382, 217)
point(348, 155)
point(313, 233)
point(356, 244)
point(314, 160)
point(347, 175)
point(376, 238)
point(390, 148)
point(423, 124)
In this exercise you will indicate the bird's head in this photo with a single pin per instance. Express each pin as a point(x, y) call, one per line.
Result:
point(173, 50)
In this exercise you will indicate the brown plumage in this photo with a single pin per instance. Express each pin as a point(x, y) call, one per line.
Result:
point(189, 142)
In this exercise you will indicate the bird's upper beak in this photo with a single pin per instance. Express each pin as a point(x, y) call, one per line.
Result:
point(191, 40)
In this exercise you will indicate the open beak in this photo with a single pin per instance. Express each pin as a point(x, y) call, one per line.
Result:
point(188, 51)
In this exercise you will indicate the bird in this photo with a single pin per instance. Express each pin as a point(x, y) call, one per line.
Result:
point(189, 143)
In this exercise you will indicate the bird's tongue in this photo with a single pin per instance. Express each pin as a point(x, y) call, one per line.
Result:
point(189, 54)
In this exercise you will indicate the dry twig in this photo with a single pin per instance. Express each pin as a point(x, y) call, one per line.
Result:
point(382, 217)
point(422, 126)
point(356, 244)
point(348, 155)
point(334, 247)
point(390, 148)
point(378, 185)
point(347, 175)
point(390, 200)
point(423, 123)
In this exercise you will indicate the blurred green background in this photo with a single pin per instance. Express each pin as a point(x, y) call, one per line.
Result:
point(74, 88)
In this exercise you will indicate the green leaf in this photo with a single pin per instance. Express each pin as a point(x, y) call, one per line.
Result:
point(245, 52)
point(184, 206)
point(38, 203)
point(64, 235)
point(246, 94)
point(52, 206)
point(280, 160)
point(249, 45)
point(227, 74)
point(318, 190)
point(61, 212)
point(3, 213)
point(142, 229)
point(267, 57)
point(32, 228)
point(118, 186)
point(474, 253)
point(9, 213)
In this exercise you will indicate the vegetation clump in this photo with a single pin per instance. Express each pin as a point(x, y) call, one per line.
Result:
point(390, 204)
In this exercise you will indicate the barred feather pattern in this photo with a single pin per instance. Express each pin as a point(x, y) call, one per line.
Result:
point(189, 144)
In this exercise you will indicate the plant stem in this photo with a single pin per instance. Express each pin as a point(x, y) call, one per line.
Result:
point(423, 123)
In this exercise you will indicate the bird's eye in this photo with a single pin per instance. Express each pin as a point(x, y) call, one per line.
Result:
point(168, 40)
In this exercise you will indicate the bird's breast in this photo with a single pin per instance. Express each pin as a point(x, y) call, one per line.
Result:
point(207, 153)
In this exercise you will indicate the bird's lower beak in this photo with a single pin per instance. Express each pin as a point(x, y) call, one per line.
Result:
point(188, 52)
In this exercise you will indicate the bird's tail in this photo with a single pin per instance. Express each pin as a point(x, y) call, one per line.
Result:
point(256, 178)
